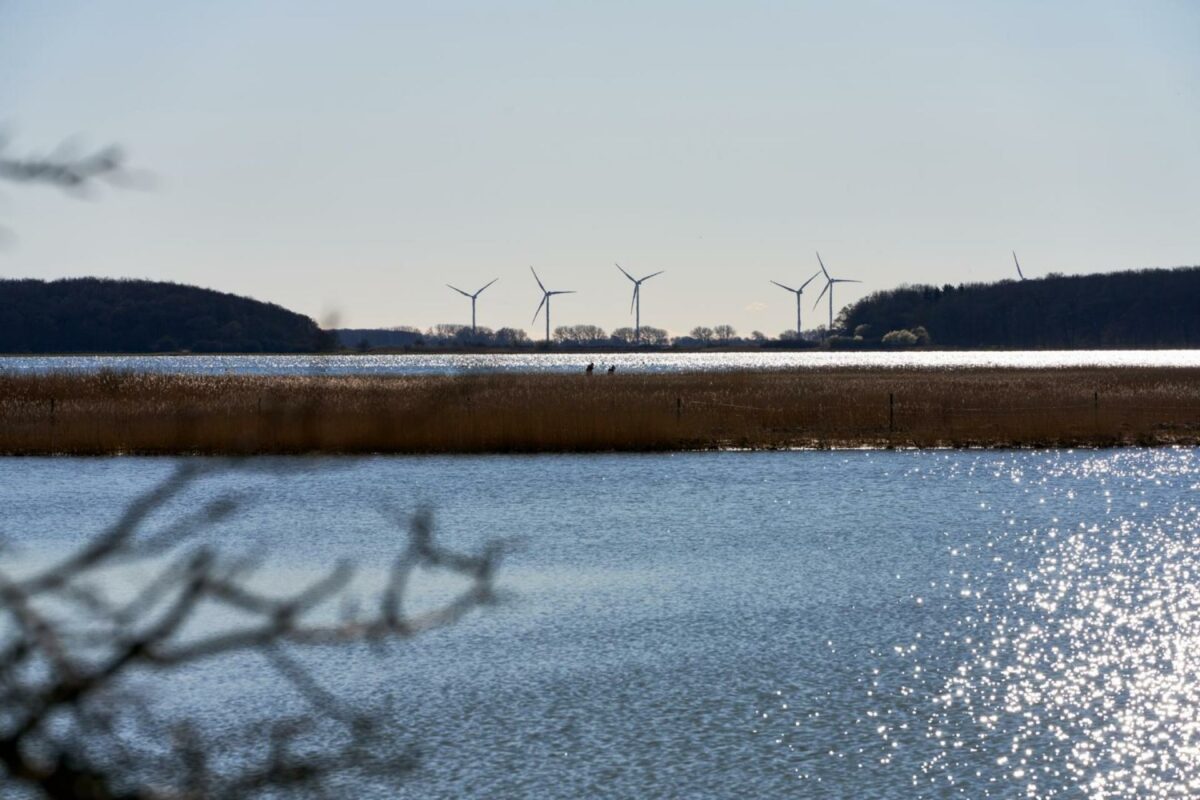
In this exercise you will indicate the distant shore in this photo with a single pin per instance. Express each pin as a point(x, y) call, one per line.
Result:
point(583, 350)
point(118, 413)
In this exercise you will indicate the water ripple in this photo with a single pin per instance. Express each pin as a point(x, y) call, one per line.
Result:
point(449, 364)
point(1079, 643)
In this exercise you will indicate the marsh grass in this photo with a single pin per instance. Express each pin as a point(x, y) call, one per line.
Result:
point(112, 412)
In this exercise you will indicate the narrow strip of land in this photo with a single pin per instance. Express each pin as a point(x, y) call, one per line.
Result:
point(110, 413)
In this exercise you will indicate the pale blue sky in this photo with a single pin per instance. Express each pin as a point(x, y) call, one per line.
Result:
point(352, 157)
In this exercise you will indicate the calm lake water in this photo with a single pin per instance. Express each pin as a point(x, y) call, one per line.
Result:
point(807, 624)
point(433, 364)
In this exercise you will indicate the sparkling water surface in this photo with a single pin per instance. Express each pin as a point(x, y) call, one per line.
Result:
point(445, 364)
point(806, 624)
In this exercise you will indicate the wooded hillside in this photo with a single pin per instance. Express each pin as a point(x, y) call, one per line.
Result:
point(1146, 308)
point(96, 315)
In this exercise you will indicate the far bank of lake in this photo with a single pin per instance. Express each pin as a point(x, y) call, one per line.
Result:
point(567, 361)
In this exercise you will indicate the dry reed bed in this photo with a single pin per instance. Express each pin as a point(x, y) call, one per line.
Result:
point(169, 414)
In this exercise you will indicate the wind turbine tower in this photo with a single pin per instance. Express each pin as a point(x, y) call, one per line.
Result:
point(829, 282)
point(546, 295)
point(473, 298)
point(636, 304)
point(798, 293)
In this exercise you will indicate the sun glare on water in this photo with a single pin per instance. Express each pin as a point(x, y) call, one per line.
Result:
point(1080, 670)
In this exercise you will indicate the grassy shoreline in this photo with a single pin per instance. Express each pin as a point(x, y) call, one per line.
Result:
point(111, 413)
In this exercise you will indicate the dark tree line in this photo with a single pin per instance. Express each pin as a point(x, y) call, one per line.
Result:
point(588, 337)
point(1146, 308)
point(95, 315)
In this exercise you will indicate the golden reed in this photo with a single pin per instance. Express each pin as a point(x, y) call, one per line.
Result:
point(109, 413)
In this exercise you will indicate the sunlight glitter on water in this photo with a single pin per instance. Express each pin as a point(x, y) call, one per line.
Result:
point(446, 364)
point(1080, 669)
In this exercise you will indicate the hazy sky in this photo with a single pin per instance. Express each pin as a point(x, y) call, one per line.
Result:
point(352, 157)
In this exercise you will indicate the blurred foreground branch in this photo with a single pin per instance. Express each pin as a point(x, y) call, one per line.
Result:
point(73, 726)
point(63, 168)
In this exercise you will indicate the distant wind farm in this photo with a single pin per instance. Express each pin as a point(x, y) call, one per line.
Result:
point(1149, 308)
point(635, 305)
point(1019, 311)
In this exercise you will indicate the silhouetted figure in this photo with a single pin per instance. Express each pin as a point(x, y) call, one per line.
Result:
point(590, 367)
point(612, 369)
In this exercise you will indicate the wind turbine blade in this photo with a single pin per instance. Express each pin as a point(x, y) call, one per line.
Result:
point(844, 280)
point(633, 302)
point(536, 278)
point(651, 275)
point(460, 291)
point(568, 291)
point(1018, 263)
point(493, 280)
point(626, 274)
point(822, 294)
point(822, 263)
point(781, 286)
point(539, 308)
point(810, 280)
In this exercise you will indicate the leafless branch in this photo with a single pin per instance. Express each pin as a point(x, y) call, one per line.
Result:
point(69, 726)
point(64, 168)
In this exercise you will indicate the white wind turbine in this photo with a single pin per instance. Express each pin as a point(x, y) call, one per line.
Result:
point(473, 298)
point(1020, 274)
point(798, 293)
point(546, 295)
point(636, 303)
point(829, 282)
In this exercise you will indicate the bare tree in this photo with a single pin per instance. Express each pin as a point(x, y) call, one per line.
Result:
point(655, 336)
point(445, 331)
point(71, 726)
point(724, 333)
point(511, 337)
point(624, 336)
point(579, 334)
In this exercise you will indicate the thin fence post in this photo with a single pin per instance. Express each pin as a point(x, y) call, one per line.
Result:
point(891, 412)
point(53, 426)
point(678, 408)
